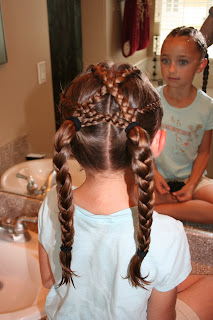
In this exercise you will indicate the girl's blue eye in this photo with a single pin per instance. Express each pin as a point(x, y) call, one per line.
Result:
point(183, 62)
point(165, 61)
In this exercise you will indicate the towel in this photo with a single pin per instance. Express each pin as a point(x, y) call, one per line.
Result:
point(136, 26)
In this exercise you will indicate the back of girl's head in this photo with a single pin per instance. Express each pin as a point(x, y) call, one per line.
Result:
point(106, 99)
point(200, 41)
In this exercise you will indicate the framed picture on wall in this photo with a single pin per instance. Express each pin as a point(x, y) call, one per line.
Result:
point(3, 52)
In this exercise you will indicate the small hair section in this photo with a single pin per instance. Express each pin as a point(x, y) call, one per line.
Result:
point(206, 74)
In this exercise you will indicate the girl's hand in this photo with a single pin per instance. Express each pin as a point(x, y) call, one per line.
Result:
point(185, 193)
point(160, 184)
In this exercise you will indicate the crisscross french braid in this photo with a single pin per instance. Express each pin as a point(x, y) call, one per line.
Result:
point(106, 99)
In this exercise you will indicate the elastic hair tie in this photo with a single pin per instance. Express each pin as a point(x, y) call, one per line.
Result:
point(132, 125)
point(141, 253)
point(65, 249)
point(76, 122)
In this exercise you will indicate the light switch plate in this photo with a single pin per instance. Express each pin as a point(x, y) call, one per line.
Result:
point(42, 76)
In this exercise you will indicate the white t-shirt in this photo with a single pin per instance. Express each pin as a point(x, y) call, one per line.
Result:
point(103, 246)
point(185, 129)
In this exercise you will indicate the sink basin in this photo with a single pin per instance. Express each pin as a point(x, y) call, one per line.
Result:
point(39, 170)
point(22, 295)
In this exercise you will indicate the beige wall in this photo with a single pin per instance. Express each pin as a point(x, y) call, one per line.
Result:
point(101, 32)
point(25, 106)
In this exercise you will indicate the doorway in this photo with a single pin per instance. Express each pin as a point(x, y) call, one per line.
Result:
point(64, 18)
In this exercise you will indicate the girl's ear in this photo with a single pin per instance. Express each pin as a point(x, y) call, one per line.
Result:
point(202, 65)
point(158, 142)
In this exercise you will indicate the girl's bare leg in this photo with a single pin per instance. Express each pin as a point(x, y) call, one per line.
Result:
point(205, 194)
point(199, 210)
point(193, 210)
point(197, 292)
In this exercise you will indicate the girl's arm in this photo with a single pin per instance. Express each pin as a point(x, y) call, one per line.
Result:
point(160, 183)
point(161, 305)
point(45, 269)
point(202, 159)
point(198, 168)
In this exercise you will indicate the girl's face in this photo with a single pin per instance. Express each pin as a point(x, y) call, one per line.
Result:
point(180, 60)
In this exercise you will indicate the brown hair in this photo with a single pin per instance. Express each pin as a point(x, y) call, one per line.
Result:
point(199, 39)
point(106, 98)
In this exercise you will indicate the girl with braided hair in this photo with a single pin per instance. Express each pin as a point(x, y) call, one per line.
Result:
point(188, 119)
point(103, 252)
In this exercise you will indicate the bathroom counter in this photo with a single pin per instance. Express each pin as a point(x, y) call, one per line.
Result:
point(198, 226)
point(201, 249)
point(200, 236)
point(14, 206)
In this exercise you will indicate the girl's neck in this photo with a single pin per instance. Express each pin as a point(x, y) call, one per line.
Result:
point(180, 98)
point(106, 193)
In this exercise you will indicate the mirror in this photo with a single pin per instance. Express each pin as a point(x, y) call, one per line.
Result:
point(29, 105)
point(27, 119)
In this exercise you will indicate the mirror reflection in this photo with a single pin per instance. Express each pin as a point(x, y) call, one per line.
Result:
point(48, 43)
point(39, 65)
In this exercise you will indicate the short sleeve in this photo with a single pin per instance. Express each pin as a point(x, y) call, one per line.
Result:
point(48, 226)
point(209, 125)
point(42, 216)
point(173, 256)
point(49, 233)
point(209, 116)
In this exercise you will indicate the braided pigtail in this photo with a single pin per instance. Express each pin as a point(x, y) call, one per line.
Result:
point(63, 137)
point(138, 143)
point(206, 74)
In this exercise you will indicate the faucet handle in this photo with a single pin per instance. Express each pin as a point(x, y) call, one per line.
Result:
point(50, 181)
point(20, 225)
point(31, 186)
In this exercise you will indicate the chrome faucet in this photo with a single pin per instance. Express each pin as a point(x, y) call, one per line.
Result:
point(16, 231)
point(49, 183)
point(32, 187)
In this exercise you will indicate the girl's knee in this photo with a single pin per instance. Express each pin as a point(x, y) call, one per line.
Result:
point(204, 194)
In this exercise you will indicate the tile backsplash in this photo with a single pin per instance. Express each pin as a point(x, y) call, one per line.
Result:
point(14, 205)
point(13, 152)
